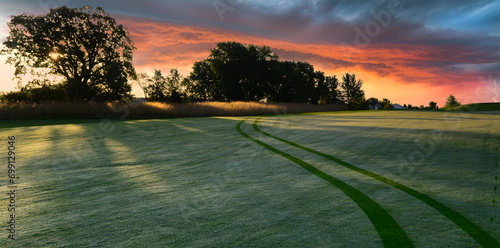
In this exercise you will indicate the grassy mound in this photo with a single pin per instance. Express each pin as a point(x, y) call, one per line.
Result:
point(494, 106)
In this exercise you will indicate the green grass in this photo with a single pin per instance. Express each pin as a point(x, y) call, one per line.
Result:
point(482, 237)
point(198, 182)
point(390, 232)
point(475, 107)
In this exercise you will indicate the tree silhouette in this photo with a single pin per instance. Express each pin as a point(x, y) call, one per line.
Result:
point(432, 105)
point(83, 45)
point(352, 93)
point(175, 93)
point(157, 90)
point(237, 72)
point(36, 91)
point(236, 69)
point(332, 83)
point(386, 104)
point(165, 89)
point(201, 82)
point(452, 101)
point(296, 83)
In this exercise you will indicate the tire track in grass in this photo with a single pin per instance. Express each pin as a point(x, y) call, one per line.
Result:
point(389, 230)
point(476, 232)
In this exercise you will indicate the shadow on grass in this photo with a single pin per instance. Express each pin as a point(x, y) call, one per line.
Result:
point(83, 196)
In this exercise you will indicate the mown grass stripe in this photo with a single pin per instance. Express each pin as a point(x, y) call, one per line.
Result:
point(476, 232)
point(390, 232)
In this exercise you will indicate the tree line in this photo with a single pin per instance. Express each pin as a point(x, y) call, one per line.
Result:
point(92, 55)
point(238, 72)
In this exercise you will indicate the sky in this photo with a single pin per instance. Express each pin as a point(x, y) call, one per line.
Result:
point(408, 51)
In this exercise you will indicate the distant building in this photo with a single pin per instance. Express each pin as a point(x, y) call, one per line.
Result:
point(397, 106)
point(375, 106)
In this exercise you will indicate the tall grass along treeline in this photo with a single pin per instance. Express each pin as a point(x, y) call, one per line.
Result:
point(155, 110)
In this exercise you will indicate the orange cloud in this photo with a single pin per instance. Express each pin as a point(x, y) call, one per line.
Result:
point(403, 73)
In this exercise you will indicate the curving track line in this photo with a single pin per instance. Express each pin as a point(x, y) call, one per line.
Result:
point(390, 232)
point(476, 232)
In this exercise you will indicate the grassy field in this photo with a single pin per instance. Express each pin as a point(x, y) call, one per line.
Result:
point(343, 179)
point(493, 106)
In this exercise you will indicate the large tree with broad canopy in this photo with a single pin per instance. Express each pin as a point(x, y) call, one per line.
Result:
point(85, 46)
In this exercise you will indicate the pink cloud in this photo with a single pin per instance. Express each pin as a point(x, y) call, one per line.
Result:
point(166, 45)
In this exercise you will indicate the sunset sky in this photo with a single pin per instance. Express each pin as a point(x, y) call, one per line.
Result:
point(409, 51)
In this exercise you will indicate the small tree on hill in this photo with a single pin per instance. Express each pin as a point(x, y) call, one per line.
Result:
point(452, 101)
point(386, 104)
point(432, 105)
